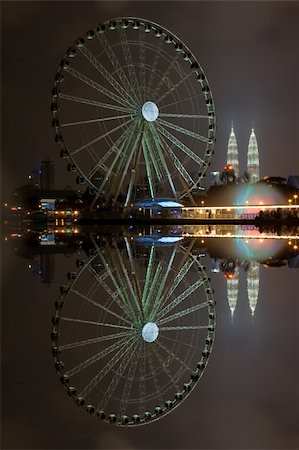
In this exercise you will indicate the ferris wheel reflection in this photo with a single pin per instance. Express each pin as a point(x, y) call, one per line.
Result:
point(134, 328)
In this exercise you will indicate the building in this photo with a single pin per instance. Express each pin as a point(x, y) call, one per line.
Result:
point(253, 163)
point(233, 291)
point(232, 152)
point(253, 169)
point(253, 280)
point(47, 175)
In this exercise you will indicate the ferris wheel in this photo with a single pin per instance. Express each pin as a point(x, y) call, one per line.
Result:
point(133, 330)
point(133, 112)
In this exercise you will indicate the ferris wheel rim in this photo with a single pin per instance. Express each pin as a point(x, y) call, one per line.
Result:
point(195, 68)
point(161, 410)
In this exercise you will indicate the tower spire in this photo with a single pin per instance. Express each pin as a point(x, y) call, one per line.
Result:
point(253, 278)
point(253, 163)
point(232, 151)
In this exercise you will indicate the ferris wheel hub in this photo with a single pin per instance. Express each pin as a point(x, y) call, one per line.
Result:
point(150, 332)
point(150, 111)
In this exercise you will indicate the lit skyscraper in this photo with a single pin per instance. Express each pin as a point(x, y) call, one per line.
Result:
point(232, 291)
point(253, 163)
point(232, 152)
point(253, 280)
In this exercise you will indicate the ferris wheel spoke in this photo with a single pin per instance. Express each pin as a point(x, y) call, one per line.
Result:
point(153, 72)
point(180, 314)
point(153, 289)
point(130, 65)
point(159, 295)
point(123, 347)
point(164, 364)
point(148, 168)
point(113, 295)
point(98, 305)
point(179, 277)
point(89, 102)
point(177, 163)
point(114, 149)
point(93, 340)
point(124, 161)
point(148, 275)
point(191, 97)
point(116, 65)
point(104, 72)
point(142, 374)
point(120, 370)
point(164, 79)
point(152, 153)
point(188, 133)
point(162, 336)
point(184, 116)
point(173, 356)
point(121, 288)
point(175, 86)
point(142, 63)
point(102, 136)
point(122, 343)
point(153, 373)
point(134, 293)
point(134, 167)
point(90, 322)
point(96, 86)
point(177, 301)
point(129, 380)
point(134, 271)
point(157, 151)
point(83, 122)
point(119, 158)
point(180, 328)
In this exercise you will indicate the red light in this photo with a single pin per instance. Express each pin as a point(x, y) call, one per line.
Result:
point(229, 276)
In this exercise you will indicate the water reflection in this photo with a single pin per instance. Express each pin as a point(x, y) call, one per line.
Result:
point(134, 328)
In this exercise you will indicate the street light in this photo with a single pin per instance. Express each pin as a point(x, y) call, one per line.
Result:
point(295, 197)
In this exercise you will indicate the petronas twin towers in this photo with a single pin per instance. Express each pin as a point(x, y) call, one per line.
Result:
point(253, 277)
point(253, 165)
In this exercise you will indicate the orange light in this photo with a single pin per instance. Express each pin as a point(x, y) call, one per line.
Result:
point(295, 247)
point(229, 276)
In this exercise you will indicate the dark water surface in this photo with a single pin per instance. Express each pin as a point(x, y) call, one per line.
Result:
point(247, 392)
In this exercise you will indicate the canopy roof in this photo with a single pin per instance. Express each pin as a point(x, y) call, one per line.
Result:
point(158, 202)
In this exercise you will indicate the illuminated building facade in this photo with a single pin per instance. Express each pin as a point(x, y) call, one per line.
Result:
point(232, 152)
point(233, 291)
point(253, 164)
point(253, 280)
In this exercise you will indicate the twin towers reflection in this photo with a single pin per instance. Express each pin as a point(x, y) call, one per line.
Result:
point(134, 327)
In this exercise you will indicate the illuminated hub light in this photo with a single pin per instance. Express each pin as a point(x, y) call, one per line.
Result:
point(150, 111)
point(150, 332)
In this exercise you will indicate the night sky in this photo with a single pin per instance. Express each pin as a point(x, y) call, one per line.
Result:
point(248, 397)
